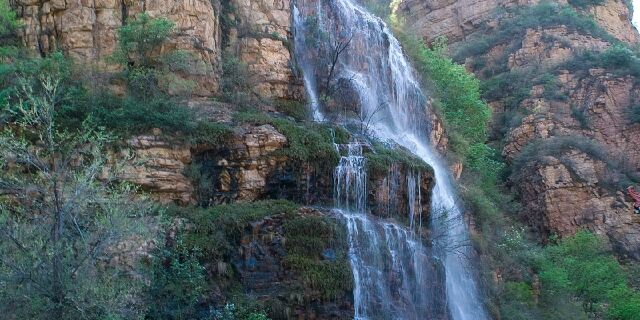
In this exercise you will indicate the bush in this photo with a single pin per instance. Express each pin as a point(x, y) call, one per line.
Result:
point(218, 229)
point(178, 283)
point(581, 266)
point(236, 85)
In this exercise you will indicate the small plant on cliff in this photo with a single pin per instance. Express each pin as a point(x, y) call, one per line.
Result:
point(148, 70)
point(236, 86)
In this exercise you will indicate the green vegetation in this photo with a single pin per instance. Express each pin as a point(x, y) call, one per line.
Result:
point(309, 143)
point(618, 175)
point(546, 14)
point(236, 85)
point(217, 229)
point(58, 220)
point(317, 248)
point(383, 156)
point(575, 267)
point(586, 3)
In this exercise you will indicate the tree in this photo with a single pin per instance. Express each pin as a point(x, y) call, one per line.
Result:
point(60, 214)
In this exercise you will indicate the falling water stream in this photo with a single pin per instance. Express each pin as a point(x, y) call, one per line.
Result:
point(388, 93)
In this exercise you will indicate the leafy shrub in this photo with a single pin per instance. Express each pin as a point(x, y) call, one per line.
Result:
point(236, 85)
point(178, 283)
point(140, 39)
point(580, 116)
point(581, 266)
point(295, 109)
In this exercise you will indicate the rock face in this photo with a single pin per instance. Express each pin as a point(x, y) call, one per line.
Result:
point(458, 19)
point(264, 274)
point(451, 18)
point(564, 195)
point(87, 30)
point(257, 31)
point(564, 190)
point(251, 165)
point(401, 192)
point(157, 166)
point(261, 36)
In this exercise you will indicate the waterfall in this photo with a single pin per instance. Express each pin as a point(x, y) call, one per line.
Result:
point(393, 272)
point(390, 97)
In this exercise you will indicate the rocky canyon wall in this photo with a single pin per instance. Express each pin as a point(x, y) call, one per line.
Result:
point(565, 189)
point(259, 32)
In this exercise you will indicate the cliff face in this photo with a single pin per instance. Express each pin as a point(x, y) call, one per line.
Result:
point(258, 32)
point(564, 188)
point(457, 20)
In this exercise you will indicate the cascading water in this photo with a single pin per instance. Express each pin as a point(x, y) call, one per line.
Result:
point(392, 270)
point(390, 97)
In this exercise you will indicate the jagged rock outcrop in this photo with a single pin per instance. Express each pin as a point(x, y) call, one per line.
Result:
point(565, 194)
point(158, 166)
point(257, 31)
point(87, 30)
point(453, 19)
point(251, 164)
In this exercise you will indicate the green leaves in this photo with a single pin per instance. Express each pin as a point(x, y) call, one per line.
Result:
point(580, 266)
point(140, 37)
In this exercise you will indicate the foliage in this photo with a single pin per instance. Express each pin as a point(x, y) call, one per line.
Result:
point(545, 14)
point(178, 284)
point(236, 85)
point(382, 156)
point(618, 59)
point(309, 239)
point(581, 266)
point(8, 24)
point(309, 143)
point(295, 109)
point(586, 3)
point(218, 229)
point(58, 221)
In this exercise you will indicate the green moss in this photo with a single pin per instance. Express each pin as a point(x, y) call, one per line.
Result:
point(309, 142)
point(307, 240)
point(295, 109)
point(217, 230)
point(382, 157)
